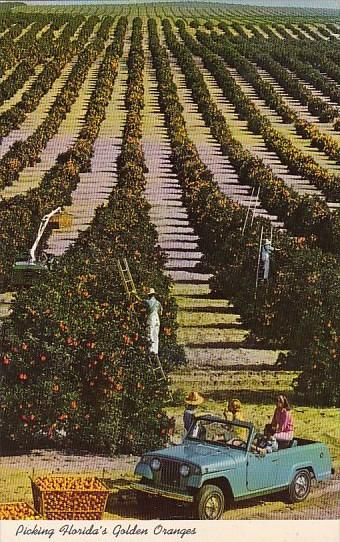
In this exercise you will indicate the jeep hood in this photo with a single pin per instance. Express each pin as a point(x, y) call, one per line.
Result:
point(206, 456)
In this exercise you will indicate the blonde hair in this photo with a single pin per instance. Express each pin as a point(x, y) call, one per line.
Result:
point(235, 404)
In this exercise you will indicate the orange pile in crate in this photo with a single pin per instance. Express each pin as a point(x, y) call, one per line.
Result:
point(69, 497)
point(17, 510)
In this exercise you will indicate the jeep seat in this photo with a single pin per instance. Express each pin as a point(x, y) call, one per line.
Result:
point(284, 444)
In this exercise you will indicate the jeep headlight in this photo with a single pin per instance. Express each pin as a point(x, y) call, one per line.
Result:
point(155, 464)
point(184, 470)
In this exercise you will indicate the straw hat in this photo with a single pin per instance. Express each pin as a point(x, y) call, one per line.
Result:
point(151, 291)
point(194, 398)
point(267, 242)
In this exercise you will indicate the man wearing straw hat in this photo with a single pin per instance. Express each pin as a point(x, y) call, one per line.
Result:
point(192, 401)
point(155, 310)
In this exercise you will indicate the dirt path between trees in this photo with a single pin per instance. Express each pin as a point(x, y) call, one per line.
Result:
point(323, 502)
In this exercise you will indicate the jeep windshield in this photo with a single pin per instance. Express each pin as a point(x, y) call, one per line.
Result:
point(224, 433)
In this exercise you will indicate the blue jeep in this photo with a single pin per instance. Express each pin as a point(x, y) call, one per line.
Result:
point(216, 464)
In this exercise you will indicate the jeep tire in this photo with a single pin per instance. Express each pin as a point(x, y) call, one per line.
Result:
point(209, 502)
point(300, 486)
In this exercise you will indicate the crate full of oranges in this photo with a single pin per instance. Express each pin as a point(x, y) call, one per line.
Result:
point(17, 510)
point(69, 497)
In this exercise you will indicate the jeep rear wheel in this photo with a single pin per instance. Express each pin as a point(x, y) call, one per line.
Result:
point(300, 487)
point(209, 502)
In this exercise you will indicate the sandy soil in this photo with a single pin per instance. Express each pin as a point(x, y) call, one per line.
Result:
point(323, 502)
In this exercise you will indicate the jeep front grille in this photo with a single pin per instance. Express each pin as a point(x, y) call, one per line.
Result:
point(169, 473)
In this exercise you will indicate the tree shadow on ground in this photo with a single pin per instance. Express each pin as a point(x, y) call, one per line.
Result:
point(261, 397)
point(211, 309)
point(193, 296)
point(214, 326)
point(221, 345)
point(125, 504)
point(123, 501)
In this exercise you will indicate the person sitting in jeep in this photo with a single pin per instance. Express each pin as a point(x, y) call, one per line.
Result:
point(266, 443)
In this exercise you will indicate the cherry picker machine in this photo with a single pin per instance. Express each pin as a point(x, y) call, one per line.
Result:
point(28, 272)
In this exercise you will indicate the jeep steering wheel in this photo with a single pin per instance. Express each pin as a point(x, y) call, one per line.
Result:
point(239, 440)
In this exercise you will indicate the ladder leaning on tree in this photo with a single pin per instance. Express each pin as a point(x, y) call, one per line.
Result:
point(129, 286)
point(126, 277)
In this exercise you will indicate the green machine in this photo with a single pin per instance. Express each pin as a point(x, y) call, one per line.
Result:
point(28, 272)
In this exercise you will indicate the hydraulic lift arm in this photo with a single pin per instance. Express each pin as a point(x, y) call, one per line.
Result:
point(44, 221)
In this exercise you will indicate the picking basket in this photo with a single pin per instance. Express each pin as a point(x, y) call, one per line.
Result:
point(62, 221)
point(17, 510)
point(71, 497)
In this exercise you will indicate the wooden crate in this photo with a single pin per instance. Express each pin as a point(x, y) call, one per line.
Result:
point(70, 497)
point(17, 510)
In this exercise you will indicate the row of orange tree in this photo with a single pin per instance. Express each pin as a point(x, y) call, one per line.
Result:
point(250, 73)
point(308, 61)
point(304, 281)
point(20, 216)
point(64, 51)
point(76, 366)
point(7, 47)
point(296, 160)
point(302, 215)
point(313, 32)
point(324, 142)
point(263, 58)
point(7, 53)
point(282, 31)
point(131, 169)
point(322, 56)
point(314, 62)
point(24, 153)
point(24, 31)
point(33, 51)
point(273, 99)
point(332, 27)
point(24, 69)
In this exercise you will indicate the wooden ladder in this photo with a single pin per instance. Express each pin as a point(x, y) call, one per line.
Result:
point(158, 371)
point(126, 277)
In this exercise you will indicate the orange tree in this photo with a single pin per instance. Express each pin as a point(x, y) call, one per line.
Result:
point(64, 49)
point(76, 360)
point(24, 153)
point(302, 215)
point(298, 308)
point(296, 160)
point(76, 363)
point(20, 216)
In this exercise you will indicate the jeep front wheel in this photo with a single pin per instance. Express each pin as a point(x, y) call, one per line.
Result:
point(209, 502)
point(300, 487)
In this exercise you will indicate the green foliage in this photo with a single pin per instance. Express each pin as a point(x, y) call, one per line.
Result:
point(76, 367)
point(77, 358)
point(301, 299)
